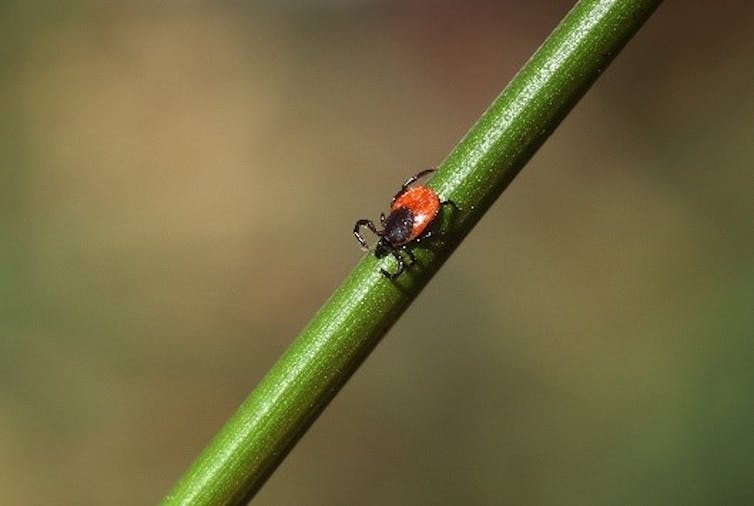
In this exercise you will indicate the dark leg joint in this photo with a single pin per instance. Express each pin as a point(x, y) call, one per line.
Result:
point(357, 232)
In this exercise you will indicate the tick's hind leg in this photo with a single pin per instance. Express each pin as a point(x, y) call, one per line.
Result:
point(411, 256)
point(451, 204)
point(357, 232)
point(411, 180)
point(433, 229)
point(401, 265)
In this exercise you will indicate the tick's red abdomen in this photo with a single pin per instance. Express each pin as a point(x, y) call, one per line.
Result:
point(424, 205)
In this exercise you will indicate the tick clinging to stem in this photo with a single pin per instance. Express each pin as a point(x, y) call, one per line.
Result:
point(412, 211)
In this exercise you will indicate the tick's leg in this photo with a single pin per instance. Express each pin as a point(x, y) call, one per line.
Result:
point(382, 218)
point(432, 230)
point(401, 266)
point(451, 204)
point(410, 180)
point(411, 256)
point(424, 236)
point(357, 232)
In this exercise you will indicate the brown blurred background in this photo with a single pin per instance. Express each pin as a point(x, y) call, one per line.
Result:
point(179, 183)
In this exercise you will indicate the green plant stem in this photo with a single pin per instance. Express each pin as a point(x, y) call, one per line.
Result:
point(350, 324)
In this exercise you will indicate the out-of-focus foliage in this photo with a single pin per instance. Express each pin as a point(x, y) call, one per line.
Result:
point(178, 187)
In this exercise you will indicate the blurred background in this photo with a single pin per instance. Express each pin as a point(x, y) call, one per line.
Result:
point(179, 183)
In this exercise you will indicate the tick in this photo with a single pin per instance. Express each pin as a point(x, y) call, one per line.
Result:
point(412, 211)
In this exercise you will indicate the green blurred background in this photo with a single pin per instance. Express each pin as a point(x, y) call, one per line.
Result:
point(179, 183)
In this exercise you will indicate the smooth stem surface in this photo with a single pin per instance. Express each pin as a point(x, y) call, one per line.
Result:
point(285, 403)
